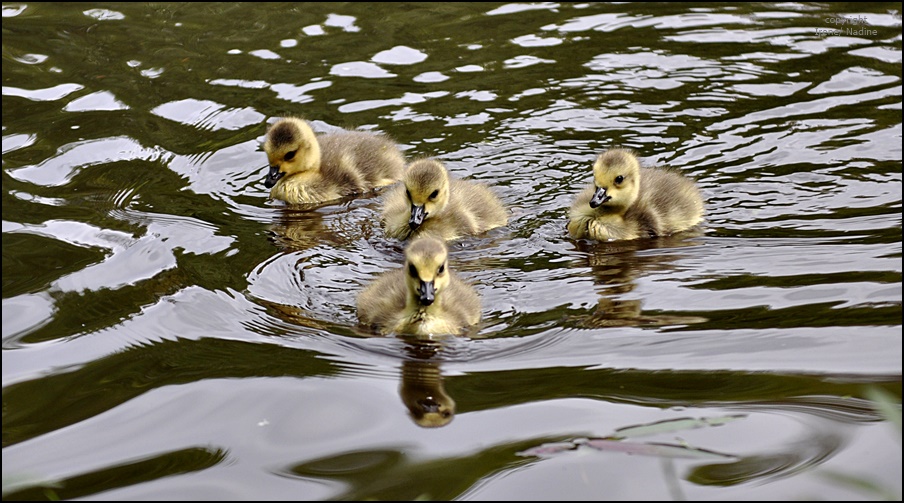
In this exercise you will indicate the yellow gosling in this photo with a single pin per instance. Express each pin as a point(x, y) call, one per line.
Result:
point(307, 168)
point(431, 202)
point(627, 201)
point(423, 298)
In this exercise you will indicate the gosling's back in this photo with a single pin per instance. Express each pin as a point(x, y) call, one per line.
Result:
point(668, 202)
point(359, 160)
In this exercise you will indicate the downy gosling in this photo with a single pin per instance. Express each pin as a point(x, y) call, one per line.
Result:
point(309, 168)
point(423, 298)
point(429, 201)
point(627, 201)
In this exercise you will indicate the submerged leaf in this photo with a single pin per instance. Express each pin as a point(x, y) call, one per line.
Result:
point(670, 451)
point(20, 482)
point(672, 425)
point(655, 449)
point(887, 406)
point(549, 449)
point(616, 442)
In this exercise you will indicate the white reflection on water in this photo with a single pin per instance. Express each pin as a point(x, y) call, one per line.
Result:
point(54, 93)
point(206, 114)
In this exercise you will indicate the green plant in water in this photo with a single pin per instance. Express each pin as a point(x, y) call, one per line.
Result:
point(889, 408)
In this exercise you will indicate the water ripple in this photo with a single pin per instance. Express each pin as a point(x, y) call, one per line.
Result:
point(208, 115)
point(75, 157)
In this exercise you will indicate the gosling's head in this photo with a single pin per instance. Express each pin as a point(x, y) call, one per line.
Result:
point(616, 174)
point(432, 411)
point(426, 269)
point(291, 147)
point(427, 189)
point(424, 394)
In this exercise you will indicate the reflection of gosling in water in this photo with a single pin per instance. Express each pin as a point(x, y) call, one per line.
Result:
point(627, 201)
point(424, 395)
point(306, 168)
point(430, 201)
point(422, 298)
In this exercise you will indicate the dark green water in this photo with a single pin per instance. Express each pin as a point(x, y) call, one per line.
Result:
point(169, 333)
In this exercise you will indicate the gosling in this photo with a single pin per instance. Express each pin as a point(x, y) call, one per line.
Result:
point(306, 168)
point(627, 201)
point(423, 298)
point(429, 201)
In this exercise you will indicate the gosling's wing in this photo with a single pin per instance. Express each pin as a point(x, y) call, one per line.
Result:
point(359, 160)
point(487, 207)
point(473, 208)
point(396, 213)
point(580, 214)
point(463, 303)
point(670, 202)
point(383, 301)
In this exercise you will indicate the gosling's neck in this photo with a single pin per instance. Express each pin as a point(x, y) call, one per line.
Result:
point(311, 151)
point(604, 210)
point(315, 157)
point(416, 310)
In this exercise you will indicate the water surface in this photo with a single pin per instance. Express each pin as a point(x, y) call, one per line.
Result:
point(169, 332)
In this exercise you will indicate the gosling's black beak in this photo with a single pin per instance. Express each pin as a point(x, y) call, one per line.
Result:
point(425, 292)
point(273, 176)
point(599, 197)
point(428, 405)
point(417, 217)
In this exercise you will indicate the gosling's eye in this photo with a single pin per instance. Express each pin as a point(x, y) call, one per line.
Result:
point(442, 268)
point(619, 179)
point(290, 155)
point(434, 194)
point(412, 271)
